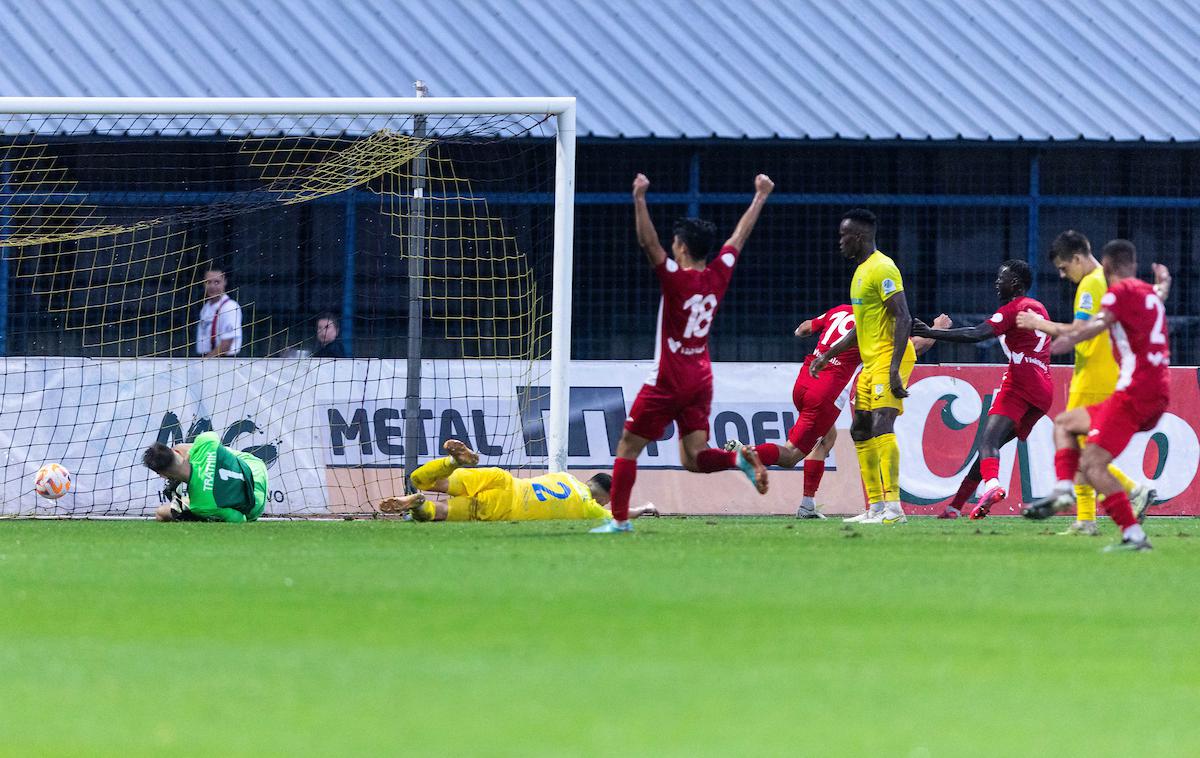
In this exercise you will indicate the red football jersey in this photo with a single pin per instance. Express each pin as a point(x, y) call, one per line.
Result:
point(685, 317)
point(1139, 337)
point(1028, 352)
point(832, 325)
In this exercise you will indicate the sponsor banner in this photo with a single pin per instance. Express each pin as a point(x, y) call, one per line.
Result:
point(332, 432)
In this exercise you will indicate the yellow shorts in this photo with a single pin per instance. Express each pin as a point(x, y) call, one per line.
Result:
point(1084, 399)
point(874, 390)
point(485, 494)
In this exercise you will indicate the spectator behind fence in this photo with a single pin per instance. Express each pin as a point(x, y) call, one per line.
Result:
point(219, 330)
point(329, 344)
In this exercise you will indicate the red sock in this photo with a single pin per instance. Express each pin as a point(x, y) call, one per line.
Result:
point(965, 490)
point(623, 475)
point(1119, 510)
point(813, 471)
point(989, 468)
point(1066, 463)
point(768, 453)
point(715, 459)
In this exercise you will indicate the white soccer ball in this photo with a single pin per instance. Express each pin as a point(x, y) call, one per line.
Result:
point(52, 481)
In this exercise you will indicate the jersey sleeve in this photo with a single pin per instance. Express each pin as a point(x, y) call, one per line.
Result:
point(886, 279)
point(1088, 297)
point(723, 264)
point(1003, 320)
point(1113, 302)
point(666, 272)
point(819, 323)
point(593, 510)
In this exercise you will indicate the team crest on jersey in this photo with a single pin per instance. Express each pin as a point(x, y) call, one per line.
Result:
point(878, 390)
point(888, 286)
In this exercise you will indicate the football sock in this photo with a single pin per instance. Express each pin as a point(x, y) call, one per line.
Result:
point(868, 464)
point(1133, 532)
point(768, 453)
point(1119, 510)
point(1085, 503)
point(623, 475)
point(808, 503)
point(424, 477)
point(989, 469)
point(889, 466)
point(715, 459)
point(813, 471)
point(965, 490)
point(1127, 484)
point(1066, 464)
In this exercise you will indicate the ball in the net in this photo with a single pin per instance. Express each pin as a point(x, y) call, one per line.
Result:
point(52, 481)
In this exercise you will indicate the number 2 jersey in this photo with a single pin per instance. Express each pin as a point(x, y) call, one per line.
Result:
point(1139, 338)
point(685, 317)
point(1028, 351)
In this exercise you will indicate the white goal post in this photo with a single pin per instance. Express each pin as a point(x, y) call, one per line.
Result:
point(561, 108)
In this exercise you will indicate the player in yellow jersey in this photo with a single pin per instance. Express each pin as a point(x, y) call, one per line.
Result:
point(1096, 370)
point(493, 494)
point(882, 326)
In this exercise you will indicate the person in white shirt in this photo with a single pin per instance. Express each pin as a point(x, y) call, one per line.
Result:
point(219, 330)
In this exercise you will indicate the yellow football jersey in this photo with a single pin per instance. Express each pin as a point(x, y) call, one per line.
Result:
point(875, 281)
point(554, 496)
point(1096, 368)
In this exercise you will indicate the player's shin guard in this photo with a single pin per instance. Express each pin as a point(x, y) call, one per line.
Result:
point(868, 464)
point(1085, 503)
point(623, 476)
point(768, 453)
point(1127, 484)
point(813, 471)
point(1119, 509)
point(426, 476)
point(714, 459)
point(889, 466)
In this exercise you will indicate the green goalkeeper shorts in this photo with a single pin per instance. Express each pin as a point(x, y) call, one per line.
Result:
point(258, 470)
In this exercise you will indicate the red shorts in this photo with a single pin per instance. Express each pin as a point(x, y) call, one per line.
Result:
point(1120, 417)
point(1011, 405)
point(656, 407)
point(816, 402)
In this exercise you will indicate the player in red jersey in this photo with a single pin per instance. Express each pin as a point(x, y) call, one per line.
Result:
point(1133, 313)
point(1025, 391)
point(819, 401)
point(680, 387)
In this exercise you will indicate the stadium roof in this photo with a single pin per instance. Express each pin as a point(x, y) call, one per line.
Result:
point(878, 69)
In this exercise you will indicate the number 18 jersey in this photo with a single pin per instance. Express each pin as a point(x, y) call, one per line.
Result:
point(685, 317)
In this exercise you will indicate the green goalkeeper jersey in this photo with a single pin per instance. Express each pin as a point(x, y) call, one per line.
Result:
point(226, 485)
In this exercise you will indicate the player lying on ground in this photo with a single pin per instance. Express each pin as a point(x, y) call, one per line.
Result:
point(1133, 311)
point(222, 484)
point(493, 494)
point(1025, 391)
point(882, 327)
point(1096, 370)
point(819, 401)
point(679, 388)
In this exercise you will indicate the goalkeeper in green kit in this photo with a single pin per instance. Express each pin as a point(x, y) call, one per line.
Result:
point(222, 484)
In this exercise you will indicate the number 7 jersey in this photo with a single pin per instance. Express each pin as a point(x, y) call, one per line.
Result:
point(685, 317)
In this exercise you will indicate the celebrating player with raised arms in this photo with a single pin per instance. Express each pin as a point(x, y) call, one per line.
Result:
point(1025, 391)
point(1132, 311)
point(680, 387)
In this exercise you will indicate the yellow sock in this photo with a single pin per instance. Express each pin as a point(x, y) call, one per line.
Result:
point(1085, 503)
point(889, 466)
point(1126, 483)
point(426, 476)
point(868, 464)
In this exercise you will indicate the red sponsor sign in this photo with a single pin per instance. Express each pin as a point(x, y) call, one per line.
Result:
point(939, 428)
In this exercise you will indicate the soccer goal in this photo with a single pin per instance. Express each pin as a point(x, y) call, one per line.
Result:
point(428, 240)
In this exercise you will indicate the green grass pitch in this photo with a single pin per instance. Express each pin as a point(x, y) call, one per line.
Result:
point(690, 637)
